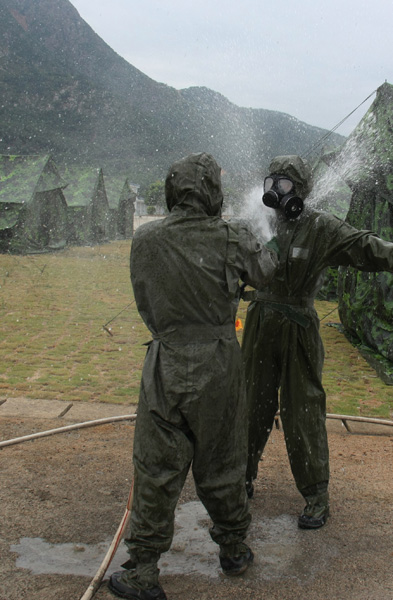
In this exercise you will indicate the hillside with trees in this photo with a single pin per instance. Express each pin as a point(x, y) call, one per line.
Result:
point(66, 93)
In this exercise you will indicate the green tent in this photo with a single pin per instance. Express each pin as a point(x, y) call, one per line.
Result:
point(126, 211)
point(366, 162)
point(113, 187)
point(33, 211)
point(88, 208)
point(121, 198)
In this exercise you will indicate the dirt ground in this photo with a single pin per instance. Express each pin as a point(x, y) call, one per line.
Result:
point(64, 495)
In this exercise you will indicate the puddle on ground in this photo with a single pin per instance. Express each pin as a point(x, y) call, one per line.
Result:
point(279, 546)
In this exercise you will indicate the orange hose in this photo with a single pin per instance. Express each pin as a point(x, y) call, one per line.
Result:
point(96, 581)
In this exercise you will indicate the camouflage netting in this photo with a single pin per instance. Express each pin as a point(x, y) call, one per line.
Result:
point(33, 211)
point(88, 208)
point(366, 161)
point(121, 198)
point(41, 210)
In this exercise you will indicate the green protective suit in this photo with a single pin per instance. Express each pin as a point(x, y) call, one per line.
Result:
point(185, 272)
point(282, 348)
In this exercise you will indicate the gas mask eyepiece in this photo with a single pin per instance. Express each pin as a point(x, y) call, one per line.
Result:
point(279, 193)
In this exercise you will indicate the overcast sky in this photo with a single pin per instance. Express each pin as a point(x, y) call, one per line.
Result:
point(316, 60)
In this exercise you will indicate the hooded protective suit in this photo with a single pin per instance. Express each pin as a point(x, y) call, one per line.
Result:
point(185, 272)
point(281, 346)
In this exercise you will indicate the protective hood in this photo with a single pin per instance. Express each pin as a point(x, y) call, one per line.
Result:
point(297, 169)
point(195, 182)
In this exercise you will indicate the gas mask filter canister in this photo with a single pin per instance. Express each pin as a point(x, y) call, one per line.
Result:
point(279, 194)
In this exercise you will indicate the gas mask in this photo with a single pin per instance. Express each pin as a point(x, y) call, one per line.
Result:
point(279, 193)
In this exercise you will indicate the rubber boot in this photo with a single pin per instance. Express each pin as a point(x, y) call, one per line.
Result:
point(316, 511)
point(122, 587)
point(235, 558)
point(139, 580)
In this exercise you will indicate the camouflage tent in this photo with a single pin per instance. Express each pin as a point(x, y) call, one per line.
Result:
point(126, 210)
point(113, 187)
point(121, 198)
point(88, 208)
point(33, 211)
point(366, 162)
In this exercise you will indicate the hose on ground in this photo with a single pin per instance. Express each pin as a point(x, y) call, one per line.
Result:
point(96, 581)
point(34, 436)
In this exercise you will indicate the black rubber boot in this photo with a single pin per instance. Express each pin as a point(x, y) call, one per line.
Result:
point(238, 562)
point(310, 522)
point(125, 590)
point(316, 511)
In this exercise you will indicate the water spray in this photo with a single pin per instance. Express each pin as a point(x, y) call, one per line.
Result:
point(258, 216)
point(260, 221)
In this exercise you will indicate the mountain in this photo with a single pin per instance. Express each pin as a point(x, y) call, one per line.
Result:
point(67, 93)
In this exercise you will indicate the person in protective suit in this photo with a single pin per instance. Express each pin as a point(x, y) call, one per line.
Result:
point(185, 272)
point(281, 346)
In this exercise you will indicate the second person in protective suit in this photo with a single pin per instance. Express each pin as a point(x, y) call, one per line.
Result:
point(282, 348)
point(185, 272)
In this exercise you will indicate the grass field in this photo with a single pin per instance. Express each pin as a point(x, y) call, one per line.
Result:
point(53, 344)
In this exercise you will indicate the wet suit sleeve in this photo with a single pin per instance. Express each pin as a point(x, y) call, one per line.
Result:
point(364, 250)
